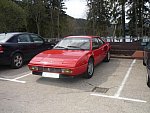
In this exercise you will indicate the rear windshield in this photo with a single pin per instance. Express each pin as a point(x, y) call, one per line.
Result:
point(4, 37)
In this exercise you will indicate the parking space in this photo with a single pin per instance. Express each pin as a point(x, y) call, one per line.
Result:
point(116, 87)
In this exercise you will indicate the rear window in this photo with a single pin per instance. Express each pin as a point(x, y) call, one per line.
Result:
point(4, 37)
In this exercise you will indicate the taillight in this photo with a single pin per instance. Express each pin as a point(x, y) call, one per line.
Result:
point(1, 49)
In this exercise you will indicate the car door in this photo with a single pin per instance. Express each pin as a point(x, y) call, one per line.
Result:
point(97, 50)
point(38, 43)
point(25, 45)
point(103, 47)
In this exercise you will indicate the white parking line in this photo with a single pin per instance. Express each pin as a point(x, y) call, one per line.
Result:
point(117, 95)
point(119, 98)
point(125, 79)
point(13, 80)
point(16, 79)
point(23, 76)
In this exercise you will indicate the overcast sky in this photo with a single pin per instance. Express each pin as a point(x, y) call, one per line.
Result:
point(76, 8)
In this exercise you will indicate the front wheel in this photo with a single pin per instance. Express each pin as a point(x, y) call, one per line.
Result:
point(17, 61)
point(90, 69)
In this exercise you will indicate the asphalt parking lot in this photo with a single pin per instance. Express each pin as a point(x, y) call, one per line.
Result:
point(116, 87)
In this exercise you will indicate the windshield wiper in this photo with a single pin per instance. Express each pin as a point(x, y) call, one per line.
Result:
point(60, 47)
point(76, 47)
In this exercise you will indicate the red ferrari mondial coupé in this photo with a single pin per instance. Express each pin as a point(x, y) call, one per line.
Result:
point(72, 56)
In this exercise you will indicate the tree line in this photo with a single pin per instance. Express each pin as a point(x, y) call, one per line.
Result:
point(44, 17)
point(105, 13)
point(48, 18)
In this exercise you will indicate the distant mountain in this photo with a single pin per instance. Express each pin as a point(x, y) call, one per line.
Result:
point(78, 26)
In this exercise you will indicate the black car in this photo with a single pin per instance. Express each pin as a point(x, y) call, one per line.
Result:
point(146, 60)
point(18, 47)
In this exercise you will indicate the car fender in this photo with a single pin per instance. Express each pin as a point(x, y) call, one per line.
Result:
point(17, 51)
point(83, 60)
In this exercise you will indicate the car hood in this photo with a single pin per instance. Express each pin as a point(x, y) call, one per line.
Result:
point(59, 58)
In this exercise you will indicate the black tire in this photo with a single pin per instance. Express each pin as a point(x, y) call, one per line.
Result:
point(90, 69)
point(17, 61)
point(144, 63)
point(148, 81)
point(107, 58)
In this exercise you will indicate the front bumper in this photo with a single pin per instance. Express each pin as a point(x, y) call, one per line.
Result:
point(60, 76)
point(74, 71)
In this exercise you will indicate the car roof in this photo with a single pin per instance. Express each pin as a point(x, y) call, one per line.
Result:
point(82, 36)
point(5, 36)
point(14, 33)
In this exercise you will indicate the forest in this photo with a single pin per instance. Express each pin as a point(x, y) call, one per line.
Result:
point(48, 18)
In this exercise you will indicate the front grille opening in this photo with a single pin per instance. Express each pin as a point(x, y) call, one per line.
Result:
point(52, 70)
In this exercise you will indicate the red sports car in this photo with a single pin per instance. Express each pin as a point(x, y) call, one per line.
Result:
point(72, 56)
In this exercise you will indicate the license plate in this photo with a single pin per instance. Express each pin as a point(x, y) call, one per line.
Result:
point(51, 75)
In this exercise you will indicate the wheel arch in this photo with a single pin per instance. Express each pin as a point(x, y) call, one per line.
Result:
point(92, 57)
point(15, 52)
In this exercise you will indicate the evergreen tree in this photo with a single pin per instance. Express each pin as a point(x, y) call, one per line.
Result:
point(98, 17)
point(12, 17)
point(138, 14)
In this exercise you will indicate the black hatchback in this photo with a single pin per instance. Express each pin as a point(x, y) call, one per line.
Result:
point(146, 60)
point(18, 47)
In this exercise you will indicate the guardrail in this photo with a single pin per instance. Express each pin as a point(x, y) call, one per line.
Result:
point(111, 39)
point(52, 39)
point(127, 39)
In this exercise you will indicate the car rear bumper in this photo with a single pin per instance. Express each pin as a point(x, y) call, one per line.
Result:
point(4, 60)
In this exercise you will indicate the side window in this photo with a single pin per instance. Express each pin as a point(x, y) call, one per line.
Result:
point(36, 39)
point(24, 38)
point(13, 39)
point(95, 43)
point(100, 42)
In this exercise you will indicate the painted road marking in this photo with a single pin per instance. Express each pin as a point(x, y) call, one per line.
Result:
point(119, 98)
point(23, 76)
point(117, 95)
point(125, 79)
point(16, 79)
point(13, 80)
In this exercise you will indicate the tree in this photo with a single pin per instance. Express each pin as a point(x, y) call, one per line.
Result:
point(138, 14)
point(116, 17)
point(36, 12)
point(45, 17)
point(123, 18)
point(98, 16)
point(105, 13)
point(12, 17)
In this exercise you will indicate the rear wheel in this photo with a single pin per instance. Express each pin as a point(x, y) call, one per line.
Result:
point(107, 58)
point(148, 81)
point(90, 69)
point(17, 61)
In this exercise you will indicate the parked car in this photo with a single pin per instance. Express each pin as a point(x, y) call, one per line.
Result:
point(17, 47)
point(146, 60)
point(72, 56)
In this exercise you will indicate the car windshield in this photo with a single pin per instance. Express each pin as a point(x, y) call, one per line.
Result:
point(4, 37)
point(74, 44)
